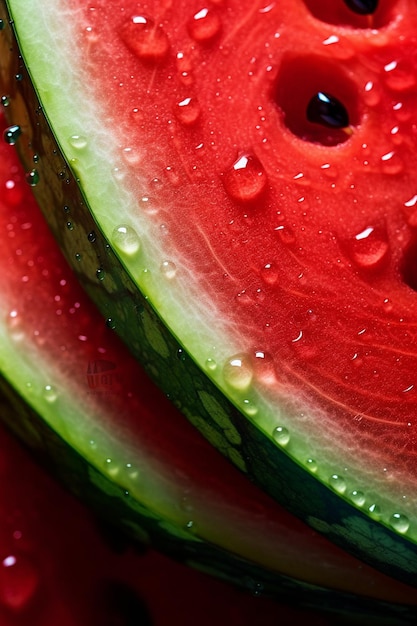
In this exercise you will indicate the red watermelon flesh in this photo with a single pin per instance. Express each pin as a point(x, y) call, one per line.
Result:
point(55, 331)
point(279, 253)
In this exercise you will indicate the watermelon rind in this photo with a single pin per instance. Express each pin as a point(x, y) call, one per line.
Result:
point(74, 184)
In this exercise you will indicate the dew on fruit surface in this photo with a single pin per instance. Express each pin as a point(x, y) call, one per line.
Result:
point(357, 497)
point(188, 111)
point(375, 511)
point(285, 234)
point(168, 269)
point(204, 26)
point(337, 483)
point(399, 522)
point(92, 237)
point(211, 364)
point(146, 39)
point(399, 76)
point(369, 249)
point(269, 273)
point(111, 468)
point(311, 465)
point(131, 156)
point(78, 257)
point(70, 226)
point(12, 134)
point(264, 368)
point(238, 372)
point(391, 163)
point(49, 393)
point(249, 407)
point(78, 141)
point(281, 435)
point(5, 100)
point(2, 24)
point(15, 326)
point(32, 177)
point(126, 239)
point(246, 180)
point(110, 323)
point(100, 274)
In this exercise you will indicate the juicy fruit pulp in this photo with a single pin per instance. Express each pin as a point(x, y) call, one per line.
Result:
point(262, 239)
point(182, 488)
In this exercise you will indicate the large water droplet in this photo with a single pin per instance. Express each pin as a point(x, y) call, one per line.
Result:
point(238, 372)
point(147, 40)
point(126, 240)
point(246, 180)
point(204, 25)
point(168, 269)
point(188, 111)
point(49, 393)
point(369, 249)
point(78, 141)
point(12, 134)
point(357, 497)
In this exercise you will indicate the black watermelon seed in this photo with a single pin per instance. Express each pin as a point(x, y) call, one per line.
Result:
point(363, 7)
point(327, 110)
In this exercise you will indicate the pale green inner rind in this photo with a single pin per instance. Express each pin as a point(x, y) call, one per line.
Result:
point(72, 111)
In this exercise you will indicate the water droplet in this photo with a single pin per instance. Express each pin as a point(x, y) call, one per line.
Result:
point(49, 393)
point(111, 468)
point(281, 435)
point(246, 180)
point(249, 407)
point(269, 273)
point(78, 141)
point(15, 326)
point(311, 465)
point(100, 274)
point(92, 237)
point(188, 111)
point(399, 76)
point(238, 372)
point(369, 249)
point(169, 269)
point(204, 25)
point(12, 134)
point(375, 511)
point(264, 368)
point(78, 256)
point(110, 323)
point(399, 522)
point(211, 364)
point(286, 234)
point(147, 40)
point(392, 163)
point(337, 483)
point(19, 582)
point(32, 178)
point(131, 156)
point(5, 100)
point(357, 497)
point(126, 240)
point(70, 226)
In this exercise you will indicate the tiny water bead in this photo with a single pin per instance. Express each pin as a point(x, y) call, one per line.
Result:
point(12, 134)
point(246, 180)
point(369, 249)
point(311, 465)
point(188, 111)
point(78, 141)
point(362, 7)
point(92, 237)
point(357, 497)
point(281, 435)
point(126, 240)
point(168, 269)
point(15, 326)
point(399, 522)
point(327, 110)
point(100, 274)
point(5, 100)
point(32, 178)
point(204, 26)
point(145, 39)
point(337, 483)
point(238, 372)
point(49, 393)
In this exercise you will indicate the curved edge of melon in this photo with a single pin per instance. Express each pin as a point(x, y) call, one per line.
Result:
point(111, 502)
point(155, 347)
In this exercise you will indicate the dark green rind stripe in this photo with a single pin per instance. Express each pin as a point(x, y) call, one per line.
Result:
point(152, 344)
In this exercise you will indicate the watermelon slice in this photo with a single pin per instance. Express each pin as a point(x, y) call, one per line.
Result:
point(130, 452)
point(255, 250)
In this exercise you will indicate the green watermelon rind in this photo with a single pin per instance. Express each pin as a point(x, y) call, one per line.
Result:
point(187, 385)
point(113, 505)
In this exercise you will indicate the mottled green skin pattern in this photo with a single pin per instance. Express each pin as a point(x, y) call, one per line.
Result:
point(134, 319)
